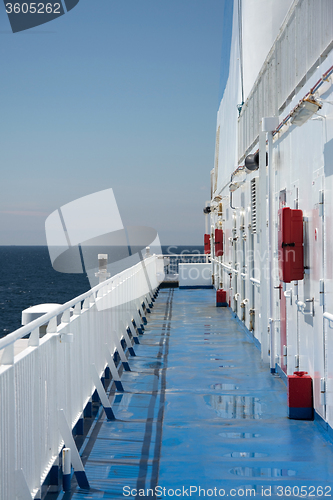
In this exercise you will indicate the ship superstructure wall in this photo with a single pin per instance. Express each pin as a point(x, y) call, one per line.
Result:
point(298, 67)
point(304, 41)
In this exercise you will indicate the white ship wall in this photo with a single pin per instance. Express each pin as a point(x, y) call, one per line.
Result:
point(262, 21)
point(227, 117)
point(302, 166)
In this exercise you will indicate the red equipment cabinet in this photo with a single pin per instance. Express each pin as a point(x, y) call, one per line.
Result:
point(300, 401)
point(290, 241)
point(207, 243)
point(218, 242)
point(221, 298)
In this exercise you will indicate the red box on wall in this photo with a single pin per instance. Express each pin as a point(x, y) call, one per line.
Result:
point(290, 244)
point(207, 243)
point(221, 298)
point(218, 242)
point(300, 401)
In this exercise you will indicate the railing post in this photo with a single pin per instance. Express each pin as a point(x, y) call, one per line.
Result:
point(66, 469)
point(121, 352)
point(67, 436)
point(132, 329)
point(113, 369)
point(102, 267)
point(123, 330)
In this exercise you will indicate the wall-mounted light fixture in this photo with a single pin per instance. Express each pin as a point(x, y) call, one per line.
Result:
point(303, 111)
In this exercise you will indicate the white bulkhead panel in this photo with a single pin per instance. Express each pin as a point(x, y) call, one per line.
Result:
point(226, 144)
point(261, 24)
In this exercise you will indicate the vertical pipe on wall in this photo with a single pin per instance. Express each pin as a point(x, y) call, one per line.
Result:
point(268, 126)
point(262, 237)
point(271, 250)
point(212, 244)
point(66, 469)
point(234, 262)
point(252, 326)
point(220, 226)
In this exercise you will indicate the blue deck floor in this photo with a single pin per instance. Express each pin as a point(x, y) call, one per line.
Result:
point(201, 410)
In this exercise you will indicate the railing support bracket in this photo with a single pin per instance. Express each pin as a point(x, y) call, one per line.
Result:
point(101, 393)
point(67, 436)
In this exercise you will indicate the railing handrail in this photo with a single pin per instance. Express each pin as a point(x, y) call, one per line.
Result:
point(185, 255)
point(42, 320)
point(328, 316)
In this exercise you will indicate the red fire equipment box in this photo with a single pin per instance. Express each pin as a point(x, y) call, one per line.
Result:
point(218, 242)
point(207, 243)
point(290, 241)
point(300, 402)
point(221, 298)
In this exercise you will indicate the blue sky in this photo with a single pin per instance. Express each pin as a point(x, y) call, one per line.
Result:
point(114, 94)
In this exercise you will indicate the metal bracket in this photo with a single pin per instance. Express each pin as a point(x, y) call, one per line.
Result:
point(124, 331)
point(255, 282)
point(322, 391)
point(321, 292)
point(289, 295)
point(66, 338)
point(301, 307)
point(101, 393)
point(321, 203)
point(66, 434)
point(113, 369)
point(329, 317)
point(120, 351)
point(296, 361)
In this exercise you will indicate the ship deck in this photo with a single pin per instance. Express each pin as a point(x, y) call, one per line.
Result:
point(201, 410)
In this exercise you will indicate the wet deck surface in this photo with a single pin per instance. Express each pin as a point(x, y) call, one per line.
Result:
point(201, 410)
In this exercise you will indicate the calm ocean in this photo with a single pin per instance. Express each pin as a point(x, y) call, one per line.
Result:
point(28, 278)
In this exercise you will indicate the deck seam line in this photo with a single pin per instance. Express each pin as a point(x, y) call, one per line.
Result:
point(160, 418)
point(143, 468)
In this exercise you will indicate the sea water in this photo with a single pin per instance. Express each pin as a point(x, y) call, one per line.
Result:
point(27, 278)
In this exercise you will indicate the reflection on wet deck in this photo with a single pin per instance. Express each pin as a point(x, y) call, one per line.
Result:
point(235, 406)
point(262, 472)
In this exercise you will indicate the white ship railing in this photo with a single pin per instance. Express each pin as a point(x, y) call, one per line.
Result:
point(230, 270)
point(329, 317)
point(53, 377)
point(305, 39)
point(172, 261)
